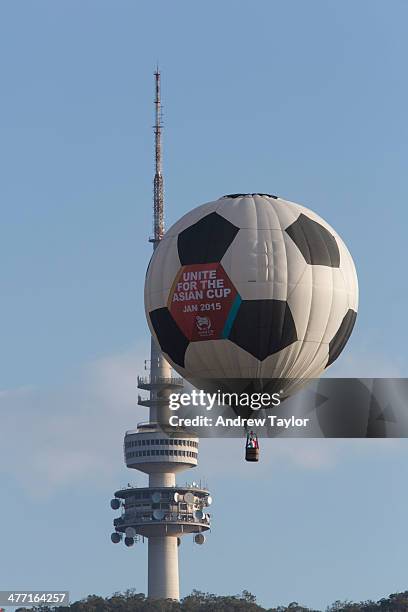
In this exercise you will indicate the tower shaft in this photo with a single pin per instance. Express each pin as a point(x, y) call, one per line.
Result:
point(163, 567)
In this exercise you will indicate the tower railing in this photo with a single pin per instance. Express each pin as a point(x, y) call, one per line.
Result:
point(153, 380)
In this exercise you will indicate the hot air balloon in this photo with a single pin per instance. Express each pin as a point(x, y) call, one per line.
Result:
point(251, 286)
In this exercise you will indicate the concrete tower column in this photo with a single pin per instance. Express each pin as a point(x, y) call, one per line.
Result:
point(163, 570)
point(162, 479)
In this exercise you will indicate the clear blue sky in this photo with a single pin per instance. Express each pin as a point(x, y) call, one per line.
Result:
point(303, 99)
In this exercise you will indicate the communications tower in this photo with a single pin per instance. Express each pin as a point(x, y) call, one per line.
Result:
point(163, 511)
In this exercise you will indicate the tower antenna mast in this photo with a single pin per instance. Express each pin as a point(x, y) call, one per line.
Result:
point(158, 199)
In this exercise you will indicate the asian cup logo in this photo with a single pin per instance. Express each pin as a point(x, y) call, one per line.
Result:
point(203, 325)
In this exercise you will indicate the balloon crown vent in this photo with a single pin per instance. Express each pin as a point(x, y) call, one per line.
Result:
point(242, 195)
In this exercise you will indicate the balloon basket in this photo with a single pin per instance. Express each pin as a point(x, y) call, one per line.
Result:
point(252, 454)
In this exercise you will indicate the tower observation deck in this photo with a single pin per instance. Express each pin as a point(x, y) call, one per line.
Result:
point(163, 511)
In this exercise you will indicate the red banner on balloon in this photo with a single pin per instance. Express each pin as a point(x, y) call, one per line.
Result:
point(203, 301)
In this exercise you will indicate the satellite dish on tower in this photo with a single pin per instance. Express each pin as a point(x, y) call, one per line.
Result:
point(116, 537)
point(178, 541)
point(158, 515)
point(115, 504)
point(129, 541)
point(199, 538)
point(208, 500)
point(130, 532)
point(198, 515)
point(156, 497)
point(189, 498)
point(176, 497)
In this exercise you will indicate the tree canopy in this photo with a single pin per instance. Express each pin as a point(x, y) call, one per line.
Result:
point(197, 601)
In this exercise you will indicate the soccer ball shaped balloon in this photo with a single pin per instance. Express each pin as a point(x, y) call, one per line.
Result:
point(251, 286)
